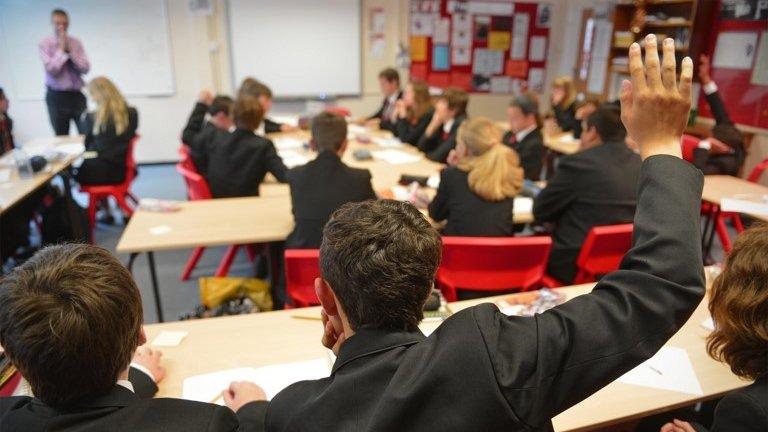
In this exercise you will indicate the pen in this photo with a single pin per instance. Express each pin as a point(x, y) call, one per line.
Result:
point(655, 370)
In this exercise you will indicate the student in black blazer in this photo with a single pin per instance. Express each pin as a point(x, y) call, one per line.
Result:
point(413, 112)
point(76, 358)
point(524, 135)
point(252, 87)
point(723, 152)
point(476, 192)
point(108, 131)
point(738, 303)
point(482, 370)
point(219, 113)
point(324, 184)
point(563, 100)
point(236, 162)
point(440, 136)
point(389, 82)
point(596, 186)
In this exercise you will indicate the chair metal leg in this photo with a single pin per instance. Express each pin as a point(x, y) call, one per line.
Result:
point(192, 263)
point(226, 261)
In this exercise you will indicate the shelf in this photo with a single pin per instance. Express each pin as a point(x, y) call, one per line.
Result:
point(620, 69)
point(663, 24)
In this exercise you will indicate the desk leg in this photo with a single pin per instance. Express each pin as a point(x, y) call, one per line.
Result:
point(705, 230)
point(131, 259)
point(155, 289)
point(708, 247)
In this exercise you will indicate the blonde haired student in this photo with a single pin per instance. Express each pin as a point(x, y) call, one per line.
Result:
point(108, 131)
point(476, 193)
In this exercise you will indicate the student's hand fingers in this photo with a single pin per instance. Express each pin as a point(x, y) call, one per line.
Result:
point(229, 397)
point(626, 103)
point(668, 66)
point(669, 427)
point(636, 68)
point(684, 426)
point(686, 79)
point(652, 67)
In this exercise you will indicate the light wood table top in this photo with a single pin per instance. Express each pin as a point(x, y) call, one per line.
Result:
point(17, 188)
point(277, 337)
point(717, 187)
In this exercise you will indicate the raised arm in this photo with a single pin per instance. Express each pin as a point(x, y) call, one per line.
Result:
point(196, 118)
point(550, 362)
point(711, 93)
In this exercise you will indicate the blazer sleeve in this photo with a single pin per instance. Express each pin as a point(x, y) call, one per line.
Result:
point(719, 112)
point(547, 363)
point(427, 143)
point(438, 208)
point(559, 194)
point(271, 126)
point(566, 118)
point(380, 112)
point(143, 385)
point(86, 125)
point(224, 420)
point(194, 123)
point(369, 192)
point(440, 154)
point(739, 412)
point(411, 133)
point(531, 152)
point(275, 165)
point(252, 416)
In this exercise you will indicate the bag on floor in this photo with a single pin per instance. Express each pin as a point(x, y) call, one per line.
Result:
point(223, 296)
point(64, 221)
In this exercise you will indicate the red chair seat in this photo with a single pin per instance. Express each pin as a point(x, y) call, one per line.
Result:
point(602, 251)
point(302, 267)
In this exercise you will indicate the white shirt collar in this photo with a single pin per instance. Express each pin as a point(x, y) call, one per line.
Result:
point(127, 384)
point(393, 97)
point(524, 133)
point(448, 125)
point(260, 131)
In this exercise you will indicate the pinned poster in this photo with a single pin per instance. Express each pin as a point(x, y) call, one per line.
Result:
point(422, 24)
point(538, 48)
point(536, 79)
point(418, 48)
point(544, 15)
point(488, 62)
point(501, 84)
point(482, 27)
point(461, 34)
point(517, 68)
point(481, 82)
point(735, 50)
point(440, 61)
point(499, 40)
point(460, 56)
point(461, 80)
point(442, 33)
point(519, 45)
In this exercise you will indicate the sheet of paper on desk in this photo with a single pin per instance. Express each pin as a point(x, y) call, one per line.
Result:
point(273, 378)
point(387, 142)
point(396, 157)
point(288, 143)
point(670, 369)
point(755, 205)
point(356, 129)
point(523, 205)
point(71, 149)
point(5, 175)
point(169, 338)
point(292, 120)
point(292, 159)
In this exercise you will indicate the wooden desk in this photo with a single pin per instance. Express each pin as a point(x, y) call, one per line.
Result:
point(275, 337)
point(17, 188)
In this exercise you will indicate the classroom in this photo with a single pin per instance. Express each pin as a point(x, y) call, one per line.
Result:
point(384, 215)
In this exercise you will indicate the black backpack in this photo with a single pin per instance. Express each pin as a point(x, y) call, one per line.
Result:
point(64, 221)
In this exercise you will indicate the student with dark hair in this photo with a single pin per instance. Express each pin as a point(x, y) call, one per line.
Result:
point(413, 113)
point(389, 83)
point(482, 370)
point(252, 87)
point(723, 152)
point(70, 322)
point(440, 136)
point(596, 186)
point(583, 110)
point(738, 303)
point(219, 112)
point(236, 162)
point(524, 135)
point(324, 184)
point(6, 125)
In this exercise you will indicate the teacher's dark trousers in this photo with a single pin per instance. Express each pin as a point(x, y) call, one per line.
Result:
point(64, 106)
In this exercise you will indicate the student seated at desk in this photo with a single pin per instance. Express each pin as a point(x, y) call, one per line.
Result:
point(219, 112)
point(237, 161)
point(389, 83)
point(6, 125)
point(524, 135)
point(563, 101)
point(723, 152)
point(70, 322)
point(583, 110)
point(440, 136)
point(482, 370)
point(596, 186)
point(476, 192)
point(413, 112)
point(259, 90)
point(108, 133)
point(324, 184)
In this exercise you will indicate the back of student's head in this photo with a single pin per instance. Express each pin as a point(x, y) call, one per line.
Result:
point(494, 169)
point(607, 122)
point(221, 104)
point(457, 100)
point(111, 107)
point(247, 112)
point(528, 104)
point(391, 75)
point(738, 303)
point(380, 258)
point(70, 320)
point(249, 87)
point(329, 131)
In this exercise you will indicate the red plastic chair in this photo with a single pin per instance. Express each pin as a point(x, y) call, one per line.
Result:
point(492, 263)
point(121, 192)
point(689, 144)
point(602, 251)
point(344, 112)
point(197, 189)
point(757, 171)
point(302, 266)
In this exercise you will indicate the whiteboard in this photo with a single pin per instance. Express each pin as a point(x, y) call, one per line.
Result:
point(300, 48)
point(126, 41)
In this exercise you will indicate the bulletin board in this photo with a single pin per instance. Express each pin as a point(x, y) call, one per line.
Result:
point(739, 52)
point(483, 46)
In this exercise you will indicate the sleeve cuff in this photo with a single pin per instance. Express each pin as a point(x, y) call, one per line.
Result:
point(143, 370)
point(710, 88)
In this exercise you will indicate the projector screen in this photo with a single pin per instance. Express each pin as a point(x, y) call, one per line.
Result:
point(300, 48)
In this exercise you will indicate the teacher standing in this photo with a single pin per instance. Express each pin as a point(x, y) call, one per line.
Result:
point(65, 64)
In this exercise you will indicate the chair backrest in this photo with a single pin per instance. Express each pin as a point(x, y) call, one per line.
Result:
point(185, 159)
point(494, 263)
point(754, 176)
point(130, 161)
point(302, 266)
point(197, 187)
point(689, 144)
point(603, 249)
point(344, 112)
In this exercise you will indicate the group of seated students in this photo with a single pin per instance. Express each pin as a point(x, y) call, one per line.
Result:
point(71, 317)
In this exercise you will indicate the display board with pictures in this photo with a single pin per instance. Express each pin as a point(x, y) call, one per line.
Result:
point(486, 46)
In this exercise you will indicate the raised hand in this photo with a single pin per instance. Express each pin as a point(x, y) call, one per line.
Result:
point(654, 108)
point(205, 97)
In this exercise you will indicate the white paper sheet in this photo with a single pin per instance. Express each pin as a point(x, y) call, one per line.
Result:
point(519, 42)
point(461, 34)
point(273, 379)
point(460, 56)
point(537, 51)
point(670, 369)
point(491, 8)
point(292, 159)
point(708, 324)
point(522, 205)
point(395, 157)
point(760, 70)
point(160, 230)
point(501, 84)
point(356, 129)
point(288, 143)
point(488, 62)
point(536, 79)
point(292, 120)
point(391, 142)
point(754, 205)
point(423, 24)
point(442, 31)
point(5, 175)
point(169, 338)
point(71, 149)
point(735, 50)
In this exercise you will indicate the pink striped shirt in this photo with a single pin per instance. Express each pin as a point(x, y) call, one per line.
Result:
point(64, 71)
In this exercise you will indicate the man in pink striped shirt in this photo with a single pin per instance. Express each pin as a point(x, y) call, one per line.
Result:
point(65, 64)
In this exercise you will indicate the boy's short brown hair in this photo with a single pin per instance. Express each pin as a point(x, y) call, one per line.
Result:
point(255, 88)
point(329, 131)
point(457, 99)
point(247, 113)
point(391, 75)
point(70, 321)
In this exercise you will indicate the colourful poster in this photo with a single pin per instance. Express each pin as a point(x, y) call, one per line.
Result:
point(498, 40)
point(418, 48)
point(440, 60)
